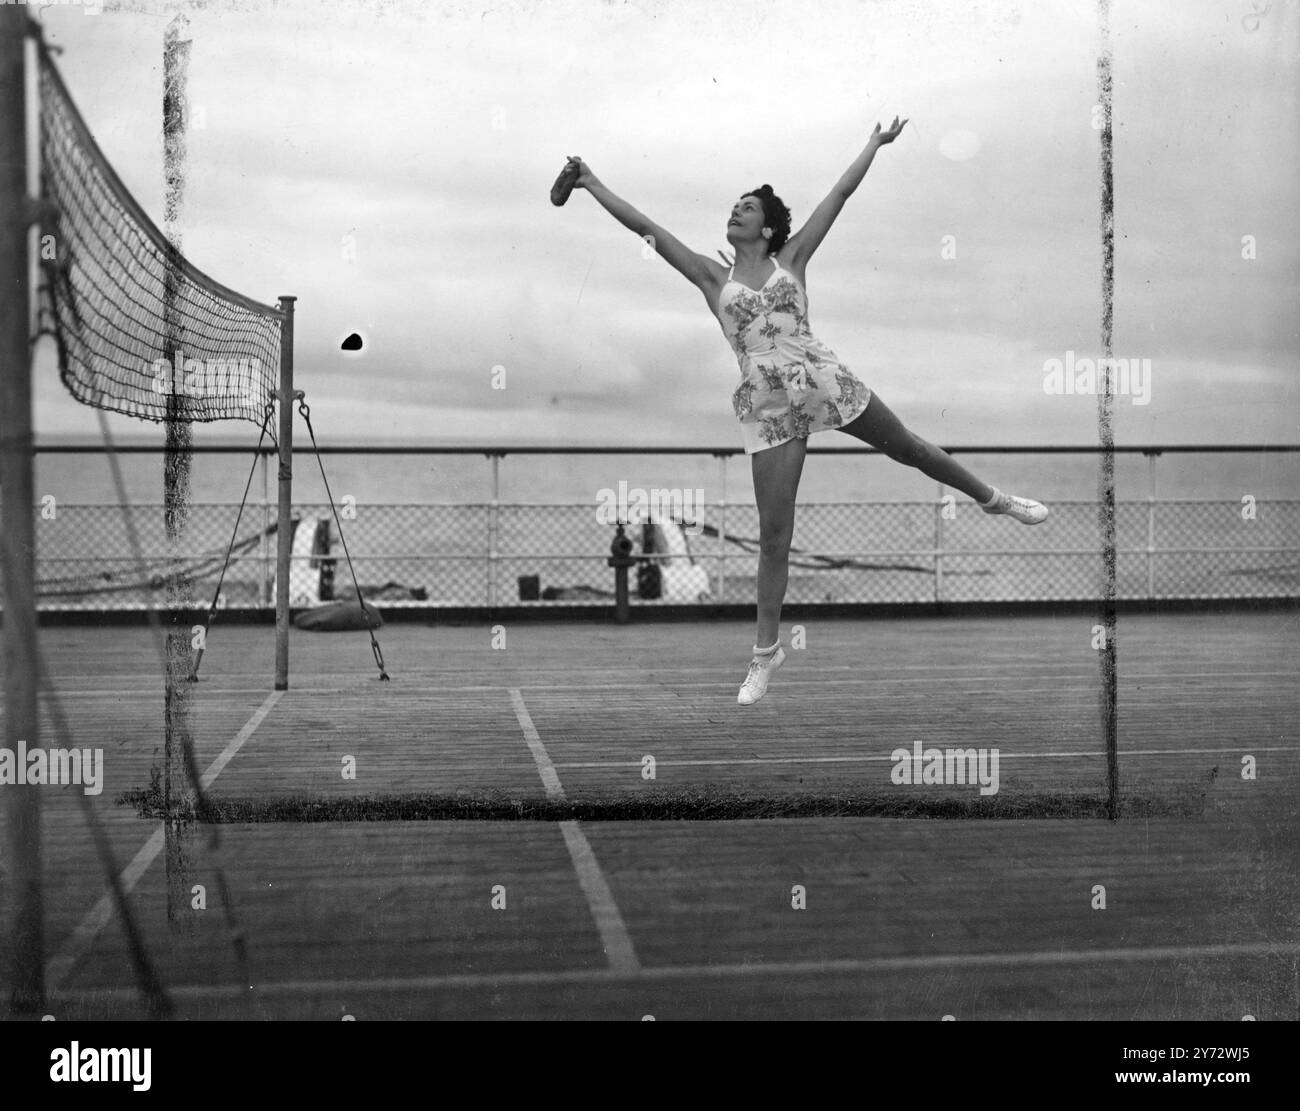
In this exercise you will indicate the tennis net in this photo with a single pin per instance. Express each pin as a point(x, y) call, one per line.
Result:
point(139, 329)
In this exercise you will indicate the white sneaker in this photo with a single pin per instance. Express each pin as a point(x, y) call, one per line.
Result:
point(760, 671)
point(1024, 510)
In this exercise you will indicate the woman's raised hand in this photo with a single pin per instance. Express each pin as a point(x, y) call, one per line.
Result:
point(585, 176)
point(882, 137)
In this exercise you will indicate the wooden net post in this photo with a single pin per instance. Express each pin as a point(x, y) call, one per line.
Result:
point(21, 895)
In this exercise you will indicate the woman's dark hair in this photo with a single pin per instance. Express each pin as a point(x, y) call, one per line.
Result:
point(775, 216)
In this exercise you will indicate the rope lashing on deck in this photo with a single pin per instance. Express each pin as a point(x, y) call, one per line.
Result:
point(305, 410)
point(813, 562)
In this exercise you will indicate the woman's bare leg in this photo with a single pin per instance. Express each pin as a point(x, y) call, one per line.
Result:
point(776, 482)
point(878, 427)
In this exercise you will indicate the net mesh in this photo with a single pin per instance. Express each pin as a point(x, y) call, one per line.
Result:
point(138, 328)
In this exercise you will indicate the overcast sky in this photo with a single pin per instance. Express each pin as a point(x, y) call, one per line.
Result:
point(431, 132)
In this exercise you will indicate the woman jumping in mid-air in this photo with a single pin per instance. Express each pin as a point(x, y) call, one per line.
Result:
point(791, 384)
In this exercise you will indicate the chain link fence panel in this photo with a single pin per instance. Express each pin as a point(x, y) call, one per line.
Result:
point(486, 553)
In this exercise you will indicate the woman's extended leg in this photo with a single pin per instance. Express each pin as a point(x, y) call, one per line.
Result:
point(878, 427)
point(776, 482)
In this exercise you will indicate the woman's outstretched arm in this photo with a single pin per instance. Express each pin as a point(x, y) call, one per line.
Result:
point(697, 268)
point(807, 239)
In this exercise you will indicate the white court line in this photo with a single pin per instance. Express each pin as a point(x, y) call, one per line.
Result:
point(889, 759)
point(931, 677)
point(237, 742)
point(656, 684)
point(609, 921)
point(59, 966)
point(958, 962)
point(74, 948)
point(613, 930)
point(545, 768)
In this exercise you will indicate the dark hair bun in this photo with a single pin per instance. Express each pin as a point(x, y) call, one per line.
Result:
point(775, 216)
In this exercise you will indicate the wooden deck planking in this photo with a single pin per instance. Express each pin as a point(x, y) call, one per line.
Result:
point(401, 740)
point(445, 724)
point(358, 901)
point(339, 903)
point(410, 901)
point(1027, 685)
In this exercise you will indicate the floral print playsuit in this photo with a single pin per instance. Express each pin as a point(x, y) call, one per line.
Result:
point(791, 384)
